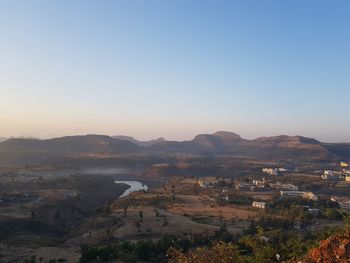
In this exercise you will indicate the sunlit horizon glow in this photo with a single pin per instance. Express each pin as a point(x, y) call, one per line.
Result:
point(175, 69)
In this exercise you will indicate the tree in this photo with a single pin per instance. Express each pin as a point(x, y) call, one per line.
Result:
point(332, 214)
point(32, 215)
point(138, 225)
point(141, 215)
point(125, 211)
point(108, 233)
point(157, 212)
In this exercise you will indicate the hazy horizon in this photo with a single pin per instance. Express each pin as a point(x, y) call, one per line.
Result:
point(174, 69)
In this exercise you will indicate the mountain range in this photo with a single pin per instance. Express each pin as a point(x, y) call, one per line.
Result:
point(219, 143)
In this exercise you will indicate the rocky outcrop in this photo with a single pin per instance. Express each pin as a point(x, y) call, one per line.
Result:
point(335, 249)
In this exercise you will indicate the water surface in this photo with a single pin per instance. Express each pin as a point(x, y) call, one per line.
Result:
point(134, 186)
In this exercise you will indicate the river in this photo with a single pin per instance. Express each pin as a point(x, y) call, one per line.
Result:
point(134, 186)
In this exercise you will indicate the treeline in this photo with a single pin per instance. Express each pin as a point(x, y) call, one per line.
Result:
point(298, 209)
point(143, 250)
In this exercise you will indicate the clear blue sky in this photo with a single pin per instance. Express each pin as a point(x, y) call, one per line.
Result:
point(175, 68)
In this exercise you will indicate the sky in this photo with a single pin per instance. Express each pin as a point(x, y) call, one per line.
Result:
point(175, 68)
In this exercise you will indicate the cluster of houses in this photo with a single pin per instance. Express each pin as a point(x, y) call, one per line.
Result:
point(285, 190)
point(343, 202)
point(343, 174)
point(291, 194)
point(274, 171)
point(210, 182)
point(265, 185)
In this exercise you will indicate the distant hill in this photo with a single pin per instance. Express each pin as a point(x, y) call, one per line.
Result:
point(70, 145)
point(219, 143)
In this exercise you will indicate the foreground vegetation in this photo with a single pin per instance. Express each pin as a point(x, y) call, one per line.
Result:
point(267, 240)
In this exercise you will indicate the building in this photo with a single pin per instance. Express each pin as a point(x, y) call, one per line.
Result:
point(344, 164)
point(327, 172)
point(299, 194)
point(260, 185)
point(245, 187)
point(260, 205)
point(290, 187)
point(271, 171)
point(227, 198)
point(259, 182)
point(343, 202)
point(328, 175)
point(203, 183)
point(345, 205)
point(332, 175)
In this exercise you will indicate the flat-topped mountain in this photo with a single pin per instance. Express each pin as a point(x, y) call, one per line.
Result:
point(277, 147)
point(219, 143)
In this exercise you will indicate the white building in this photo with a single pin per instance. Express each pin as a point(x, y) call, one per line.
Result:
point(343, 202)
point(290, 187)
point(260, 205)
point(259, 182)
point(301, 194)
point(328, 175)
point(203, 183)
point(328, 172)
point(271, 171)
point(344, 164)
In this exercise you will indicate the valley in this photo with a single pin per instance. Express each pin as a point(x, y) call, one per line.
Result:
point(77, 199)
